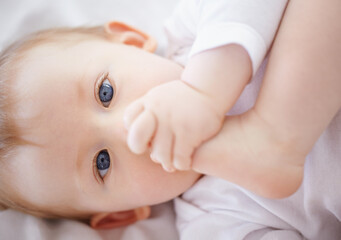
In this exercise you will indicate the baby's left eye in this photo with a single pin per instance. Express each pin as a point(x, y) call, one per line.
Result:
point(105, 93)
point(103, 163)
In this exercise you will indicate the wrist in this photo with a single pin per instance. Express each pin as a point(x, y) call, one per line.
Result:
point(220, 73)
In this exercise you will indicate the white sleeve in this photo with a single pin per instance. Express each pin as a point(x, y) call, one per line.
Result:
point(213, 23)
point(180, 29)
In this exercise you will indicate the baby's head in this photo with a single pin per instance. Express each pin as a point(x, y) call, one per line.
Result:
point(63, 149)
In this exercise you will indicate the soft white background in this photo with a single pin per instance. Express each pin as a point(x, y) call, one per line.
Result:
point(19, 17)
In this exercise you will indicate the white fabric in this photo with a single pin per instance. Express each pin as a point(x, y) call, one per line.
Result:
point(199, 25)
point(20, 17)
point(216, 209)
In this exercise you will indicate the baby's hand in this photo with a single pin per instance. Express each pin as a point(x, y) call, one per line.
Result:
point(174, 119)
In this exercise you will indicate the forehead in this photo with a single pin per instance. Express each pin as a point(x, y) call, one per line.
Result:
point(53, 74)
point(42, 89)
point(48, 94)
point(44, 73)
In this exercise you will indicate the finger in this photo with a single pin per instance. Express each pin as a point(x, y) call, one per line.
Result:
point(182, 153)
point(162, 146)
point(141, 132)
point(131, 113)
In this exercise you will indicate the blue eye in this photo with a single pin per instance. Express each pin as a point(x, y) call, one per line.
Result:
point(103, 162)
point(105, 93)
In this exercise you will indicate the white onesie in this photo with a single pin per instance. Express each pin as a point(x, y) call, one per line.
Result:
point(217, 209)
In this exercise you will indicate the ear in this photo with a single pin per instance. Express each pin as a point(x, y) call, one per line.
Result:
point(123, 33)
point(119, 219)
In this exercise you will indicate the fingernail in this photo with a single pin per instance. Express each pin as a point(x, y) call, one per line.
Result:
point(169, 169)
point(152, 157)
point(176, 164)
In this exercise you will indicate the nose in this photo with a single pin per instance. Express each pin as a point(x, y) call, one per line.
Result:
point(113, 129)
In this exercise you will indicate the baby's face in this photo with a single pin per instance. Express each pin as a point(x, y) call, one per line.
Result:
point(68, 124)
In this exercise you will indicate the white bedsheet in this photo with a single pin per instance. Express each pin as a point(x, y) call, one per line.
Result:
point(19, 17)
point(19, 226)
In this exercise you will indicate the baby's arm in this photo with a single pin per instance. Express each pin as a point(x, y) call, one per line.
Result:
point(264, 149)
point(178, 116)
point(176, 122)
point(220, 73)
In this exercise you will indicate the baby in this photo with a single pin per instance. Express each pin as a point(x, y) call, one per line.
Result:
point(64, 95)
point(64, 151)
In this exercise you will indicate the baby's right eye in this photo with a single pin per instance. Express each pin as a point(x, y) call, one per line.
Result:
point(105, 93)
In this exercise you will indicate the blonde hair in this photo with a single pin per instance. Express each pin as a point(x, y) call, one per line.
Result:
point(10, 61)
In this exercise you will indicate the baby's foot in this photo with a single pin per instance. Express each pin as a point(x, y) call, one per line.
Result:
point(247, 152)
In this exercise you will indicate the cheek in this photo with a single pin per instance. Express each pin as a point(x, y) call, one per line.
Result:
point(138, 181)
point(149, 184)
point(156, 185)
